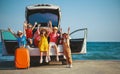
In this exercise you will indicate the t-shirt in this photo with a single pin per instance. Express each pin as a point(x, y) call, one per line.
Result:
point(29, 33)
point(36, 34)
point(53, 37)
point(21, 41)
point(36, 40)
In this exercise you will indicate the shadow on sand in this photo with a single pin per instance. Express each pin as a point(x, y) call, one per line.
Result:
point(10, 65)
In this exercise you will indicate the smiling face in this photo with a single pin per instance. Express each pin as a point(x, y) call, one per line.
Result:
point(43, 32)
point(55, 29)
point(19, 34)
point(29, 26)
point(65, 35)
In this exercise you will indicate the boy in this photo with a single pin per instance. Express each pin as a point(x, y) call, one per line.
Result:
point(29, 32)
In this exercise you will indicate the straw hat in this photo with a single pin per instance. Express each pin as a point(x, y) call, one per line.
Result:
point(55, 28)
point(19, 31)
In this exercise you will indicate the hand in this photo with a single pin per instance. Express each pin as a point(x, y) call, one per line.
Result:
point(35, 23)
point(39, 25)
point(68, 30)
point(25, 23)
point(50, 23)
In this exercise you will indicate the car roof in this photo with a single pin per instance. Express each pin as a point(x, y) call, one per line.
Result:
point(42, 6)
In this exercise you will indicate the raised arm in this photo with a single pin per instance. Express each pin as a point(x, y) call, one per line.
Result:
point(25, 25)
point(68, 30)
point(10, 30)
point(50, 26)
point(34, 25)
point(38, 28)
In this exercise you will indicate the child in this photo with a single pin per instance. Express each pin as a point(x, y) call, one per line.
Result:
point(53, 40)
point(36, 36)
point(29, 32)
point(21, 38)
point(43, 45)
point(66, 48)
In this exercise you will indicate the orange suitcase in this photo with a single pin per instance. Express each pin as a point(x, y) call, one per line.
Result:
point(22, 58)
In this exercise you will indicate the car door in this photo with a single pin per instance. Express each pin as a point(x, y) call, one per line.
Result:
point(78, 41)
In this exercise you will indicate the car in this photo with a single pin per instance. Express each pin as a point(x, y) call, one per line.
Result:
point(42, 13)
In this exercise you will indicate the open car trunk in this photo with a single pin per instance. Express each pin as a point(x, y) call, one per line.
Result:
point(42, 14)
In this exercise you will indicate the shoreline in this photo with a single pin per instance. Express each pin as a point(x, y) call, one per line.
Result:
point(79, 67)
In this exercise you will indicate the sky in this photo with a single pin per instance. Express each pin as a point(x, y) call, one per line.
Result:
point(101, 17)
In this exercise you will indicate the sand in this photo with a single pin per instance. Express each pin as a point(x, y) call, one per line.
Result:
point(79, 67)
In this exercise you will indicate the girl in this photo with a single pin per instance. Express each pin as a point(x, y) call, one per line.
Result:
point(43, 45)
point(53, 35)
point(66, 48)
point(36, 36)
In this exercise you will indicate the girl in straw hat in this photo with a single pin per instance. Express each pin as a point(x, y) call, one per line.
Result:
point(43, 44)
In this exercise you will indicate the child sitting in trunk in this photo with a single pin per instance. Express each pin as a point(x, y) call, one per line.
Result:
point(21, 38)
point(53, 35)
point(29, 32)
point(43, 45)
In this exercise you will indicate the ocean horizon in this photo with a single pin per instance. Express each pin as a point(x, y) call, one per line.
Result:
point(95, 51)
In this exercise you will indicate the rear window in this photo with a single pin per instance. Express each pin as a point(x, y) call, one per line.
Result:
point(43, 18)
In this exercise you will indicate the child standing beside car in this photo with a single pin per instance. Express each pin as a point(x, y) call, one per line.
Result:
point(66, 48)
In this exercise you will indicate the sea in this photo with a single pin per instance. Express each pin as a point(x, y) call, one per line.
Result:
point(95, 51)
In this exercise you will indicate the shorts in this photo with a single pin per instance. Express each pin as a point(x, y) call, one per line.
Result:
point(51, 44)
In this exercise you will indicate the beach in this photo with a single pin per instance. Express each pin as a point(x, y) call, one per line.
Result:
point(79, 67)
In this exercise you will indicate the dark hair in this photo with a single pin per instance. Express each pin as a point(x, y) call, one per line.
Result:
point(65, 34)
point(18, 34)
point(44, 30)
